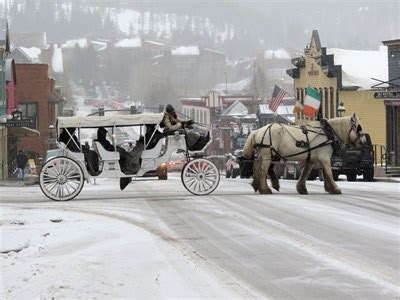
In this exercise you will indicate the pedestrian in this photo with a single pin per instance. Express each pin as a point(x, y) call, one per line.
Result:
point(21, 163)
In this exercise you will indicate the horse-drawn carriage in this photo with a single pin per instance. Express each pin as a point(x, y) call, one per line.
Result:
point(64, 172)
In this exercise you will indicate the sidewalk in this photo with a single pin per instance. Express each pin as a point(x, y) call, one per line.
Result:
point(14, 182)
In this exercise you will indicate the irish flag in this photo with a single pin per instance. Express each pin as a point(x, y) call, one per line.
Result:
point(312, 102)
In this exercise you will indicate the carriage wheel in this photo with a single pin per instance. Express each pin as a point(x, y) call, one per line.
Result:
point(61, 179)
point(200, 176)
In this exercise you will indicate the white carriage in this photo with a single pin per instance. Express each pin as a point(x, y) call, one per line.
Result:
point(64, 172)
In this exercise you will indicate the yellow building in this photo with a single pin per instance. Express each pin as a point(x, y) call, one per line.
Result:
point(343, 76)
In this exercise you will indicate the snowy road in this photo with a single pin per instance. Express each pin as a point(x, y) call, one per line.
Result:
point(232, 243)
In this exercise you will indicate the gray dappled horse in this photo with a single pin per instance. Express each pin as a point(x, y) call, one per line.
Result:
point(311, 143)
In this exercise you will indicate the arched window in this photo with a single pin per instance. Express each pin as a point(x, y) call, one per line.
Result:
point(327, 100)
point(321, 107)
point(332, 101)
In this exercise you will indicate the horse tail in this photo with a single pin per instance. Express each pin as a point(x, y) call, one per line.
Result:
point(248, 146)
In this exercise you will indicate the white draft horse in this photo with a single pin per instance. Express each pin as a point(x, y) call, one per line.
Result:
point(311, 143)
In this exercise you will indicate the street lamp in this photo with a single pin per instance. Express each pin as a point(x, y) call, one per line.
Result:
point(341, 109)
point(226, 82)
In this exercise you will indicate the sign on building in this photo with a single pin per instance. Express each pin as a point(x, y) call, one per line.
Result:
point(387, 95)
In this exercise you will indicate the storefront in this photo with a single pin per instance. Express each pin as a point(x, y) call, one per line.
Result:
point(337, 76)
point(391, 96)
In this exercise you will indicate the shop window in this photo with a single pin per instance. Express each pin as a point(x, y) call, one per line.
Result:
point(29, 111)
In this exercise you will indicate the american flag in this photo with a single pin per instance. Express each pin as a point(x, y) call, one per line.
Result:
point(276, 99)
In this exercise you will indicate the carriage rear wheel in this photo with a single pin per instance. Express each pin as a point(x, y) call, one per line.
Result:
point(200, 176)
point(61, 179)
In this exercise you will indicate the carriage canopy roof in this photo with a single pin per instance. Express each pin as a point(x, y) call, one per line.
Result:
point(108, 121)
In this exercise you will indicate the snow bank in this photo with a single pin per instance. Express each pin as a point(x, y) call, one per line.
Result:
point(95, 256)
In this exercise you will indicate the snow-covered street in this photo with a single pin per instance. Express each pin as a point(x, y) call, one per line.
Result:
point(156, 240)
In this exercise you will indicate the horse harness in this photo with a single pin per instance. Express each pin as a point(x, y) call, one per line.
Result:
point(332, 139)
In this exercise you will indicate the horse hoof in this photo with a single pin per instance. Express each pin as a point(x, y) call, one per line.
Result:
point(276, 187)
point(303, 192)
point(265, 191)
point(336, 192)
point(255, 186)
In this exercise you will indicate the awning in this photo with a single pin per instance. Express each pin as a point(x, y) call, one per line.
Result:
point(23, 132)
point(109, 121)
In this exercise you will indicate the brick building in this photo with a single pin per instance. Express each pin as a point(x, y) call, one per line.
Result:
point(39, 100)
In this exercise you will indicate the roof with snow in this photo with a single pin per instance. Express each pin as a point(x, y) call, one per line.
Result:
point(276, 54)
point(237, 108)
point(154, 43)
point(82, 43)
point(283, 109)
point(213, 51)
point(236, 88)
point(99, 46)
point(32, 52)
point(186, 50)
point(129, 43)
point(358, 66)
point(25, 55)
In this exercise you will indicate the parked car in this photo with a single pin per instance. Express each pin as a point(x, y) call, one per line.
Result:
point(232, 168)
point(161, 172)
point(293, 169)
point(176, 165)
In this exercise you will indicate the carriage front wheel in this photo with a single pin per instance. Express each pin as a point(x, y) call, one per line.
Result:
point(61, 179)
point(200, 176)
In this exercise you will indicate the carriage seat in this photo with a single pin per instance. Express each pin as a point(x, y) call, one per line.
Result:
point(153, 152)
point(104, 154)
point(172, 132)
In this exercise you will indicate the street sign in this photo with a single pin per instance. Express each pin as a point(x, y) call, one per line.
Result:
point(21, 123)
point(387, 95)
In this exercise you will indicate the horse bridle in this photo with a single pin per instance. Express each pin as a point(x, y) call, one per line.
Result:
point(359, 133)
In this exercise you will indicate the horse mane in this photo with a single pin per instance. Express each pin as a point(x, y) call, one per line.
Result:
point(341, 126)
point(248, 146)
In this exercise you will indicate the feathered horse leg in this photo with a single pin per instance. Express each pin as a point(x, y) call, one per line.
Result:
point(263, 167)
point(272, 176)
point(301, 183)
point(329, 184)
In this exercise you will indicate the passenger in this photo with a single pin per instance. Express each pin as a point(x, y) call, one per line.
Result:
point(194, 140)
point(69, 138)
point(102, 139)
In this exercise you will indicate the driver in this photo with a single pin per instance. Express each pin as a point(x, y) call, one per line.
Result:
point(194, 140)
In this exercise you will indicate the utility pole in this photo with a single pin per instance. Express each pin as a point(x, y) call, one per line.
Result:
point(226, 82)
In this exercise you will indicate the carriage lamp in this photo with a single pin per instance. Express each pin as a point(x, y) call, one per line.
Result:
point(341, 110)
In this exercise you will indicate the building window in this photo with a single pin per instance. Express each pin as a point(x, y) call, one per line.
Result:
point(326, 102)
point(298, 93)
point(321, 107)
point(332, 100)
point(29, 111)
point(302, 96)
